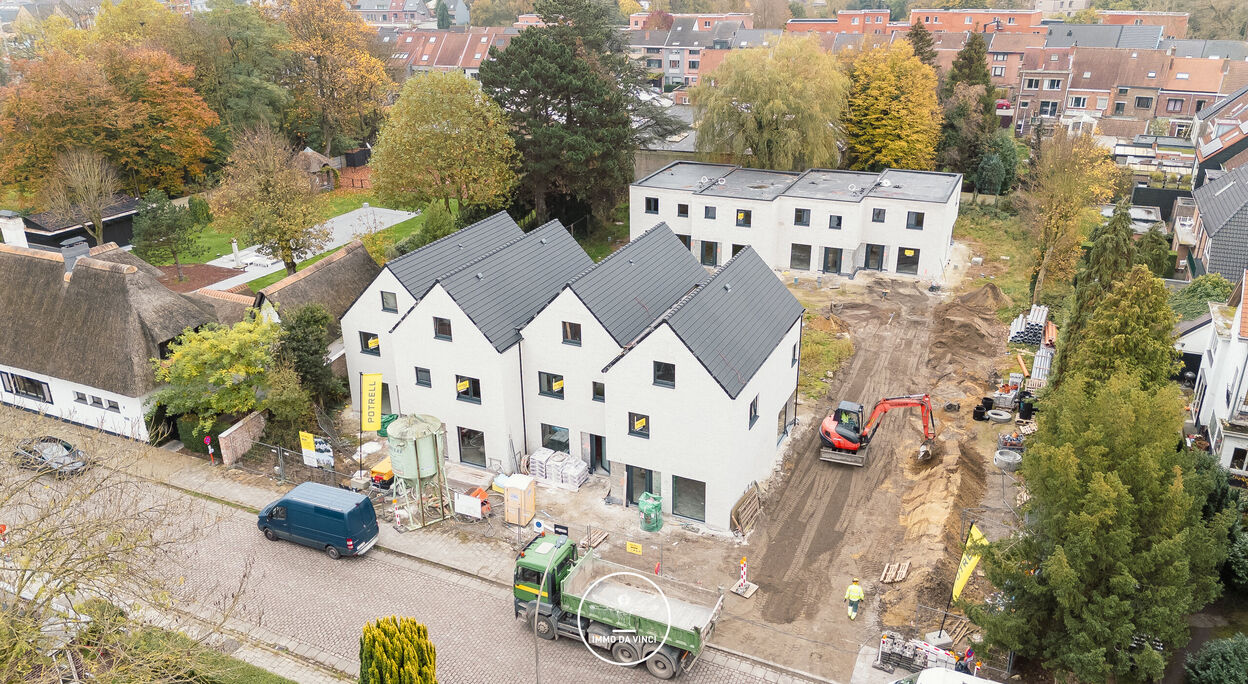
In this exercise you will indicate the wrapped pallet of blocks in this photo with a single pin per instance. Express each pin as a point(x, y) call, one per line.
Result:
point(520, 500)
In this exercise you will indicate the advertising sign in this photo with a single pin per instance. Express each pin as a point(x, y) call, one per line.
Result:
point(370, 402)
point(316, 451)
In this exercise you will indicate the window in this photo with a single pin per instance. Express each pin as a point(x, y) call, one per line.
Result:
point(1052, 58)
point(555, 438)
point(664, 374)
point(550, 385)
point(1010, 20)
point(1122, 91)
point(998, 71)
point(369, 344)
point(278, 513)
point(652, 205)
point(441, 328)
point(801, 217)
point(1238, 456)
point(80, 397)
point(834, 222)
point(708, 212)
point(572, 333)
point(1053, 84)
point(682, 210)
point(1024, 104)
point(1078, 102)
point(877, 216)
point(653, 50)
point(685, 240)
point(736, 249)
point(600, 392)
point(999, 57)
point(744, 218)
point(688, 498)
point(472, 447)
point(468, 389)
point(654, 64)
point(968, 20)
point(97, 402)
point(1120, 107)
point(1087, 74)
point(914, 220)
point(1182, 75)
point(1174, 104)
point(112, 406)
point(1102, 102)
point(1031, 84)
point(423, 379)
point(799, 257)
point(389, 302)
point(754, 411)
point(794, 361)
point(1152, 74)
point(693, 64)
point(673, 63)
point(1143, 103)
point(710, 253)
point(1200, 104)
point(908, 260)
point(854, 21)
point(27, 387)
point(1048, 108)
point(638, 425)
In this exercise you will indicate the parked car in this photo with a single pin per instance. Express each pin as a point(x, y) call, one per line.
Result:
point(337, 521)
point(51, 454)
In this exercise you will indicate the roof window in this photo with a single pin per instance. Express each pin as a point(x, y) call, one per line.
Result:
point(1182, 75)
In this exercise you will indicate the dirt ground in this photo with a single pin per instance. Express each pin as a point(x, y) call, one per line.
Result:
point(197, 276)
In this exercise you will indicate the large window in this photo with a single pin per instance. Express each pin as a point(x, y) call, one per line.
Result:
point(1174, 104)
point(423, 377)
point(369, 344)
point(550, 385)
point(745, 218)
point(801, 217)
point(652, 205)
point(1053, 84)
point(555, 438)
point(1031, 84)
point(467, 389)
point(389, 302)
point(799, 257)
point(441, 328)
point(1048, 108)
point(1078, 102)
point(664, 374)
point(710, 253)
point(1143, 103)
point(908, 260)
point(689, 498)
point(914, 220)
point(472, 447)
point(26, 387)
point(572, 333)
point(638, 425)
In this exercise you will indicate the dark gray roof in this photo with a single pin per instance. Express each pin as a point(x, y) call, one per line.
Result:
point(685, 33)
point(1103, 35)
point(764, 185)
point(1221, 104)
point(734, 320)
point(1195, 47)
point(418, 270)
point(630, 289)
point(748, 38)
point(55, 222)
point(1223, 205)
point(1184, 327)
point(503, 290)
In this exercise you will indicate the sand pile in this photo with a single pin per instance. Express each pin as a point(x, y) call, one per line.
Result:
point(987, 297)
point(966, 332)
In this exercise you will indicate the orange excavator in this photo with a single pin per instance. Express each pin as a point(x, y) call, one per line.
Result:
point(844, 435)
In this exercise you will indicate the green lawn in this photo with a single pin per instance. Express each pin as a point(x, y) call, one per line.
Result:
point(265, 281)
point(605, 239)
point(993, 234)
point(207, 665)
point(824, 349)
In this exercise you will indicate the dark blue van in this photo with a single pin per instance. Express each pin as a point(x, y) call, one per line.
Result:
point(341, 522)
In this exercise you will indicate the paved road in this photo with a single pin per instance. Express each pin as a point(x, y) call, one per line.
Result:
point(299, 592)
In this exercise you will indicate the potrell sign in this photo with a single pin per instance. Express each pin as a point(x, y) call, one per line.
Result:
point(370, 404)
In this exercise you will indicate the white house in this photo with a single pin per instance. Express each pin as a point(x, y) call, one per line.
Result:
point(818, 221)
point(645, 365)
point(79, 330)
point(1220, 401)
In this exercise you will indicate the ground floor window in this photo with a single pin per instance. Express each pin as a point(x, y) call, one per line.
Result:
point(799, 257)
point(689, 498)
point(26, 387)
point(472, 447)
point(908, 260)
point(710, 253)
point(640, 481)
point(831, 260)
point(1238, 456)
point(555, 438)
point(875, 258)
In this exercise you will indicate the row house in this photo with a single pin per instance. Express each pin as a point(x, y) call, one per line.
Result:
point(703, 21)
point(979, 20)
point(1174, 24)
point(1220, 401)
point(679, 57)
point(848, 21)
point(1044, 79)
point(1221, 224)
point(816, 222)
point(423, 50)
point(392, 13)
point(1051, 8)
point(1191, 84)
point(1220, 134)
point(637, 364)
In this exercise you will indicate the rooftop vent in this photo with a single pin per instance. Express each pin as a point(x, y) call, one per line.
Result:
point(480, 276)
point(72, 250)
point(727, 287)
point(543, 241)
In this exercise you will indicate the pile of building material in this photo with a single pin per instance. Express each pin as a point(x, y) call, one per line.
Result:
point(911, 654)
point(1043, 363)
point(558, 468)
point(1029, 328)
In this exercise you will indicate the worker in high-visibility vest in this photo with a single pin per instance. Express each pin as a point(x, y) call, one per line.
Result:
point(853, 594)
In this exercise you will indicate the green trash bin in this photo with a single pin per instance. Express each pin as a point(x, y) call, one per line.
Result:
point(651, 507)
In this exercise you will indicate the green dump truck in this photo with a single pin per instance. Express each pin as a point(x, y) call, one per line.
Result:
point(619, 611)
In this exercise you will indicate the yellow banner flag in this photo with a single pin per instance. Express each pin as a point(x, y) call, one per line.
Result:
point(370, 401)
point(970, 558)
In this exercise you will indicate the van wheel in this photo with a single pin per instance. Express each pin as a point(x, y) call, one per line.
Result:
point(333, 552)
point(270, 534)
point(660, 665)
point(625, 653)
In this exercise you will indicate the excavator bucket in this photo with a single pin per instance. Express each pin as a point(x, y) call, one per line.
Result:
point(925, 450)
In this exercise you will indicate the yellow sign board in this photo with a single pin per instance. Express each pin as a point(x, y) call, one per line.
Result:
point(557, 385)
point(373, 342)
point(461, 386)
point(633, 547)
point(370, 403)
point(306, 442)
point(970, 558)
point(640, 423)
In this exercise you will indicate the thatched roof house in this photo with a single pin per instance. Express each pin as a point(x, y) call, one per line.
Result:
point(230, 307)
point(333, 282)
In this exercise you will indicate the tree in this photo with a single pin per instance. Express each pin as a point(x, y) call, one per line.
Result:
point(1218, 19)
point(1153, 251)
point(438, 223)
point(774, 108)
point(1131, 329)
point(83, 186)
point(397, 651)
point(163, 230)
point(573, 99)
point(139, 22)
point(1193, 300)
point(921, 41)
point(892, 118)
point(339, 87)
point(1086, 15)
point(1001, 145)
point(1220, 661)
point(304, 346)
point(268, 200)
point(629, 7)
point(797, 10)
point(217, 370)
point(658, 20)
point(1068, 174)
point(971, 67)
point(499, 12)
point(769, 14)
point(443, 15)
point(990, 176)
point(444, 139)
point(1115, 545)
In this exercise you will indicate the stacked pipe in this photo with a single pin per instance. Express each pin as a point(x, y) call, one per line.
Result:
point(1028, 328)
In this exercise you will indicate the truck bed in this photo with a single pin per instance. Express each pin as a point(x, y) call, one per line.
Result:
point(692, 608)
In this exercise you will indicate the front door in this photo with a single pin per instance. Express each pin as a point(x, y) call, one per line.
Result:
point(598, 454)
point(640, 480)
point(831, 259)
point(875, 257)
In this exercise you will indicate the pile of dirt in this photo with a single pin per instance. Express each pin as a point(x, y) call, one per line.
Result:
point(829, 323)
point(987, 297)
point(967, 333)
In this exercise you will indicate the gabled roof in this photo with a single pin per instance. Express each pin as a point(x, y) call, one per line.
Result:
point(333, 282)
point(504, 289)
point(1103, 35)
point(1217, 107)
point(54, 222)
point(1222, 199)
point(637, 283)
point(98, 326)
point(419, 269)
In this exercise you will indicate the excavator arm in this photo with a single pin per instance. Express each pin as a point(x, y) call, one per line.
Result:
point(922, 401)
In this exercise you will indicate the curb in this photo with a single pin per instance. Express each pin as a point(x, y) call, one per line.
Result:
point(775, 666)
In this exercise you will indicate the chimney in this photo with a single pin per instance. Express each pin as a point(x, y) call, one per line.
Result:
point(72, 249)
point(12, 229)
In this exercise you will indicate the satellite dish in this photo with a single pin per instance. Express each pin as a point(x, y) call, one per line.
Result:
point(722, 181)
point(853, 188)
point(886, 183)
point(703, 180)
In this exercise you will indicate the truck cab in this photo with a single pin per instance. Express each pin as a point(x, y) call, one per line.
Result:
point(553, 556)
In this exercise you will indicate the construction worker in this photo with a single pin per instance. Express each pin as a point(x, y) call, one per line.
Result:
point(853, 594)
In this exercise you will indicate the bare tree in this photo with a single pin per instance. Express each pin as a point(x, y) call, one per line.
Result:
point(83, 185)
